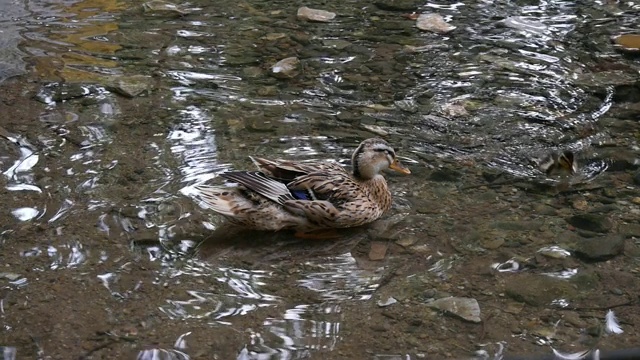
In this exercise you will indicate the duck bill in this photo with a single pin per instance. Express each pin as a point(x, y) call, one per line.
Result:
point(398, 167)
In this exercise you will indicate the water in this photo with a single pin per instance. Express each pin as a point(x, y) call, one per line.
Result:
point(93, 179)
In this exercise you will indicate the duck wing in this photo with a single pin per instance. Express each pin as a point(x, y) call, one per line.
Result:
point(290, 170)
point(258, 182)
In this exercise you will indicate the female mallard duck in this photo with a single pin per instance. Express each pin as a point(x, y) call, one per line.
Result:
point(307, 196)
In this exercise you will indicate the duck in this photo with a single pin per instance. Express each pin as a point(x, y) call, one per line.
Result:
point(558, 164)
point(306, 196)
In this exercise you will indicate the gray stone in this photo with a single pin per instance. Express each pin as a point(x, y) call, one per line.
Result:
point(591, 222)
point(599, 248)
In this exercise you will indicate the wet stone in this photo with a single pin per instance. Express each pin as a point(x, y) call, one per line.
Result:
point(163, 8)
point(267, 91)
point(604, 78)
point(347, 116)
point(286, 68)
point(397, 5)
point(599, 248)
point(308, 14)
point(630, 230)
point(518, 225)
point(336, 44)
point(252, 72)
point(521, 23)
point(628, 43)
point(591, 222)
point(464, 308)
point(537, 290)
point(544, 209)
point(434, 23)
point(378, 250)
point(130, 86)
point(58, 92)
point(445, 175)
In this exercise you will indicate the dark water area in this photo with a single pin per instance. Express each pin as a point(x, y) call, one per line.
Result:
point(113, 111)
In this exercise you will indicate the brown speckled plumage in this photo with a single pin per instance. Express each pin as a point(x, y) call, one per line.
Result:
point(269, 199)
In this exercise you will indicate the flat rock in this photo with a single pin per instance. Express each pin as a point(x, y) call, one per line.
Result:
point(591, 222)
point(537, 290)
point(599, 248)
point(308, 14)
point(433, 22)
point(378, 250)
point(464, 308)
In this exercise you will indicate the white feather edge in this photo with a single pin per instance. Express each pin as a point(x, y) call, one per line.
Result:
point(570, 356)
point(611, 323)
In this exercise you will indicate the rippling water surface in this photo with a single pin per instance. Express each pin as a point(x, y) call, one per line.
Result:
point(501, 90)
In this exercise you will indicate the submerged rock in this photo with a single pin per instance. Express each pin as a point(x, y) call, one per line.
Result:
point(159, 7)
point(130, 86)
point(378, 250)
point(464, 308)
point(59, 92)
point(308, 14)
point(604, 78)
point(286, 68)
point(397, 5)
point(600, 248)
point(628, 43)
point(389, 301)
point(433, 22)
point(591, 222)
point(537, 290)
point(524, 24)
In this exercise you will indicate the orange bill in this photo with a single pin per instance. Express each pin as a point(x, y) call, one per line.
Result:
point(397, 166)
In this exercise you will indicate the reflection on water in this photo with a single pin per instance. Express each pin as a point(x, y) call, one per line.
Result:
point(339, 278)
